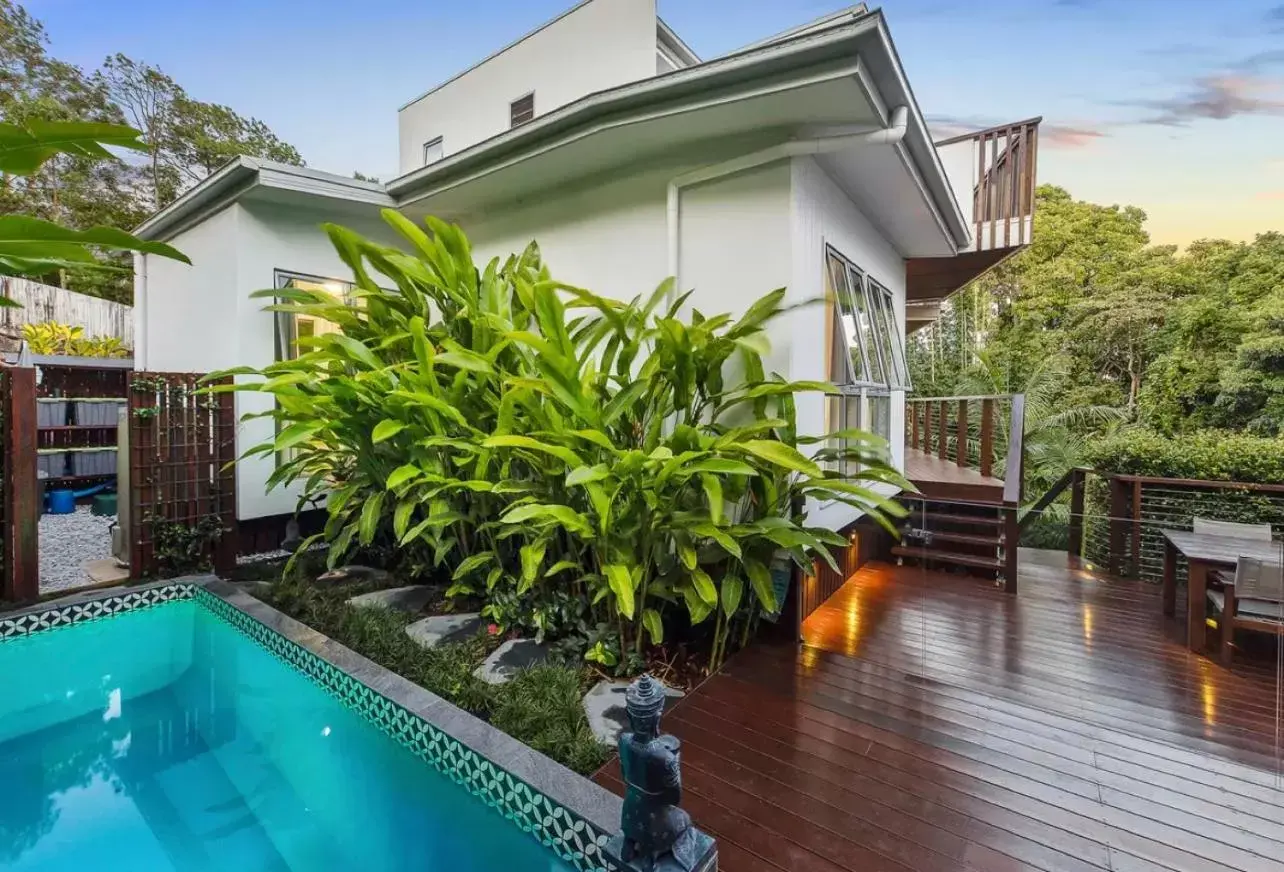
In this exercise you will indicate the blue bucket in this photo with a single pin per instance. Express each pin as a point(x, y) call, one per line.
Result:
point(62, 502)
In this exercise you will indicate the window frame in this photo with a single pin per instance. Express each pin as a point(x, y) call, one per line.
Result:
point(440, 143)
point(513, 120)
point(878, 305)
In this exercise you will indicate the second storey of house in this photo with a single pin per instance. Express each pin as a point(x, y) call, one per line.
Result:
point(594, 46)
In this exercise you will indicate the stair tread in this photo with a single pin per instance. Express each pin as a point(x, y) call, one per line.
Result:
point(962, 538)
point(950, 517)
point(948, 557)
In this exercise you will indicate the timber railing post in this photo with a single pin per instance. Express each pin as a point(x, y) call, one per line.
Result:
point(21, 488)
point(944, 428)
point(987, 437)
point(1078, 483)
point(960, 436)
point(1117, 523)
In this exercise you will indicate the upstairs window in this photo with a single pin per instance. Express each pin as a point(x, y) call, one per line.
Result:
point(433, 150)
point(866, 347)
point(521, 110)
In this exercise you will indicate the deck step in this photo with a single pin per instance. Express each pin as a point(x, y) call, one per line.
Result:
point(936, 555)
point(955, 518)
point(992, 541)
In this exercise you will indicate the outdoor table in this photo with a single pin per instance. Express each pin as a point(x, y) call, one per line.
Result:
point(1204, 551)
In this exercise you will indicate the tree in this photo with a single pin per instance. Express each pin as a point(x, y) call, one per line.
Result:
point(186, 139)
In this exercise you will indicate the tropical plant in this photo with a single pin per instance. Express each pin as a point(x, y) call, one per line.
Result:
point(51, 337)
point(616, 471)
point(32, 246)
point(1057, 436)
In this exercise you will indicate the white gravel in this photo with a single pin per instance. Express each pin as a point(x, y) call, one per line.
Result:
point(66, 542)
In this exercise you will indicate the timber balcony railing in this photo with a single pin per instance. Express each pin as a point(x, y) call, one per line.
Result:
point(1001, 164)
point(981, 433)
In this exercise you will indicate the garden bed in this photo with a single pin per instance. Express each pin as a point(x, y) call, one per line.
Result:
point(541, 706)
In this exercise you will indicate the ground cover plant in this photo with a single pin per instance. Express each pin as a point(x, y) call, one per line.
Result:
point(610, 475)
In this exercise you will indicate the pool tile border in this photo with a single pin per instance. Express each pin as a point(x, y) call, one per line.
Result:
point(566, 812)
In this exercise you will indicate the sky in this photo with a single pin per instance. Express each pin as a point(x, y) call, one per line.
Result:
point(1175, 106)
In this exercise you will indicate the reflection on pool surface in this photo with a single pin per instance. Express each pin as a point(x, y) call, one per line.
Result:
point(163, 739)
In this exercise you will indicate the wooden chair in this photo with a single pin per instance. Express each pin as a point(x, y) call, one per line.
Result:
point(1232, 530)
point(1252, 599)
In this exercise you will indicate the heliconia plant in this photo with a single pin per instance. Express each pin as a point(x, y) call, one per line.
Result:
point(601, 470)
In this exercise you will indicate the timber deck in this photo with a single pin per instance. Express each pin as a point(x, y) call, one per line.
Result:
point(945, 479)
point(932, 722)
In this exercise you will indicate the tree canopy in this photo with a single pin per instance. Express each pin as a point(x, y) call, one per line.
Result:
point(185, 140)
point(1180, 341)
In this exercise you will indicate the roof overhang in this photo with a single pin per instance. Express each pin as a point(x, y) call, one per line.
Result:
point(843, 74)
point(248, 177)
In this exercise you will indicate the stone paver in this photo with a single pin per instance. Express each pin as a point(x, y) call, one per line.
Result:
point(604, 706)
point(509, 659)
point(433, 631)
point(406, 599)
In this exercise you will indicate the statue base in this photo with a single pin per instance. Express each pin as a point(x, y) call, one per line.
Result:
point(706, 852)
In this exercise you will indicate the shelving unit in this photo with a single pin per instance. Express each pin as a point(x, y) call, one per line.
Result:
point(73, 381)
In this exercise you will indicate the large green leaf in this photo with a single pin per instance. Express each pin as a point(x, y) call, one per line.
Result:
point(621, 583)
point(733, 588)
point(24, 147)
point(781, 455)
point(386, 429)
point(704, 586)
point(562, 453)
point(370, 517)
point(760, 580)
point(654, 626)
point(562, 515)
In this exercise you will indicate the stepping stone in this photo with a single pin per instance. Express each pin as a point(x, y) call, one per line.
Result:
point(353, 575)
point(439, 629)
point(509, 659)
point(607, 716)
point(406, 599)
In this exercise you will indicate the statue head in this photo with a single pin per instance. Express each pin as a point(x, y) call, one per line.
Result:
point(644, 702)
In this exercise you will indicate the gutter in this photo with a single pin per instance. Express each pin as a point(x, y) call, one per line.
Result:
point(890, 135)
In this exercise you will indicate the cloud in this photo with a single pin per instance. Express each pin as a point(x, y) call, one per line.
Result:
point(1256, 63)
point(1270, 195)
point(1050, 135)
point(1275, 19)
point(1217, 98)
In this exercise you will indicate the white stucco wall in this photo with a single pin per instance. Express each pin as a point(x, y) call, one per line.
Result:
point(824, 215)
point(598, 45)
point(185, 316)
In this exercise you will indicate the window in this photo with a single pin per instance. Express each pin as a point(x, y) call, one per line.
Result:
point(866, 357)
point(291, 327)
point(866, 347)
point(433, 150)
point(521, 110)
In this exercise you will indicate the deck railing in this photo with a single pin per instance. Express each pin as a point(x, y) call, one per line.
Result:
point(1005, 162)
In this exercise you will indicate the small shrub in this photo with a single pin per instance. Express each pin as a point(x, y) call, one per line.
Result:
point(542, 707)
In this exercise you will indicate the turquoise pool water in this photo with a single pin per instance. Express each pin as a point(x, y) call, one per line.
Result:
point(163, 739)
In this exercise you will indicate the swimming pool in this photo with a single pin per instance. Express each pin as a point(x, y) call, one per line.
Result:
point(181, 734)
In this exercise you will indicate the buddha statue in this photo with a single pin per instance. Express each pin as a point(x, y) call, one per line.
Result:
point(656, 834)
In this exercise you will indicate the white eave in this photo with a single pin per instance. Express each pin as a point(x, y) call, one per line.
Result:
point(242, 175)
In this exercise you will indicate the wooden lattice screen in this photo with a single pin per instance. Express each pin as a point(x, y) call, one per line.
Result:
point(181, 444)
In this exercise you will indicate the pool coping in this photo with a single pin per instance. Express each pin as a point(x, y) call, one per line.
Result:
point(594, 812)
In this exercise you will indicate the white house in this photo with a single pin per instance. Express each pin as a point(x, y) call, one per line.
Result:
point(801, 161)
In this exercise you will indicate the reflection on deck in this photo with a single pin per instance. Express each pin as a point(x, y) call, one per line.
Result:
point(932, 723)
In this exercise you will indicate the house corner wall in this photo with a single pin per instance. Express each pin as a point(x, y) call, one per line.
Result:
point(822, 214)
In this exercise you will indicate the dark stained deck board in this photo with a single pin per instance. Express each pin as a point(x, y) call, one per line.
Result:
point(933, 722)
point(945, 478)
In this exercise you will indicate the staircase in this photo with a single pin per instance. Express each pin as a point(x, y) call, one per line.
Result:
point(964, 515)
point(948, 535)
